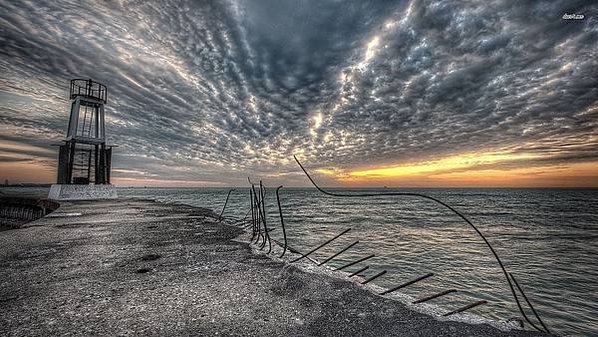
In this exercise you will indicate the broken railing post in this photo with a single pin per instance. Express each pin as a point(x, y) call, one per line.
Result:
point(253, 229)
point(467, 307)
point(431, 297)
point(261, 211)
point(257, 212)
point(225, 203)
point(528, 302)
point(266, 231)
point(258, 225)
point(284, 232)
point(244, 220)
point(339, 253)
point(406, 284)
point(320, 246)
point(374, 277)
point(356, 262)
point(359, 271)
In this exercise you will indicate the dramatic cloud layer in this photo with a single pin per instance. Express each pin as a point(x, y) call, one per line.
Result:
point(213, 91)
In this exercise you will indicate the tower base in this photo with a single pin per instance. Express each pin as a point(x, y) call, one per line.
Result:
point(82, 192)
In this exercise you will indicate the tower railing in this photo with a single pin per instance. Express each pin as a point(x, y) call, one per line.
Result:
point(88, 88)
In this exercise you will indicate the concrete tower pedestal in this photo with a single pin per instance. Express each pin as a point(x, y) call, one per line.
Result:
point(82, 192)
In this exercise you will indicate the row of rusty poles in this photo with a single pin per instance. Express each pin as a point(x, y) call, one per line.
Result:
point(257, 203)
point(258, 206)
point(258, 218)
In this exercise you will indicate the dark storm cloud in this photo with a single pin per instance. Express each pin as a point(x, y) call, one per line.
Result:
point(214, 91)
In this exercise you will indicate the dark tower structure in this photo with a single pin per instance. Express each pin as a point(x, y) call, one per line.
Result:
point(84, 157)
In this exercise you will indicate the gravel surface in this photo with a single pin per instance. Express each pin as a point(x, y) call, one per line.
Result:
point(137, 267)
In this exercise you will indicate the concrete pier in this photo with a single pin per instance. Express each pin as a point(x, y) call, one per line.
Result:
point(137, 267)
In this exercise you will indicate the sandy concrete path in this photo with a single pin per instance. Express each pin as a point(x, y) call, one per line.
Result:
point(136, 267)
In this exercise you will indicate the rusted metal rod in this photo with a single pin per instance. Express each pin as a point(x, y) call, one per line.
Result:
point(256, 203)
point(320, 246)
point(406, 284)
point(284, 232)
point(467, 307)
point(258, 208)
point(528, 302)
point(257, 228)
point(359, 271)
point(290, 248)
point(374, 277)
point(253, 229)
point(356, 262)
point(245, 217)
point(259, 216)
point(339, 253)
point(225, 203)
point(247, 222)
point(294, 251)
point(266, 231)
point(261, 213)
point(431, 297)
point(261, 210)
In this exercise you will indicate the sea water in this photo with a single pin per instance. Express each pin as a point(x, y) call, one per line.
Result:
point(548, 238)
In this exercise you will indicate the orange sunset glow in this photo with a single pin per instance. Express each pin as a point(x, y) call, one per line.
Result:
point(473, 170)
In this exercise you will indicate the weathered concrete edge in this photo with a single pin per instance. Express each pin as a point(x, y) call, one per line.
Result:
point(434, 311)
point(429, 310)
point(65, 192)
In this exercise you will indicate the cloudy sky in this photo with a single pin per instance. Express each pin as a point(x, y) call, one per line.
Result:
point(397, 93)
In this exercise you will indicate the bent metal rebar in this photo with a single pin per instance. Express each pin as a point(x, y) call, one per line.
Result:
point(431, 297)
point(359, 271)
point(320, 246)
point(339, 253)
point(263, 210)
point(374, 277)
point(467, 307)
point(258, 212)
point(356, 262)
point(284, 232)
point(220, 218)
point(420, 195)
point(408, 283)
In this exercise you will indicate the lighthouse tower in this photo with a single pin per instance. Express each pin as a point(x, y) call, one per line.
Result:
point(84, 159)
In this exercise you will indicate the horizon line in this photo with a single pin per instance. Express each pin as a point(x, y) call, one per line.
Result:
point(34, 184)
